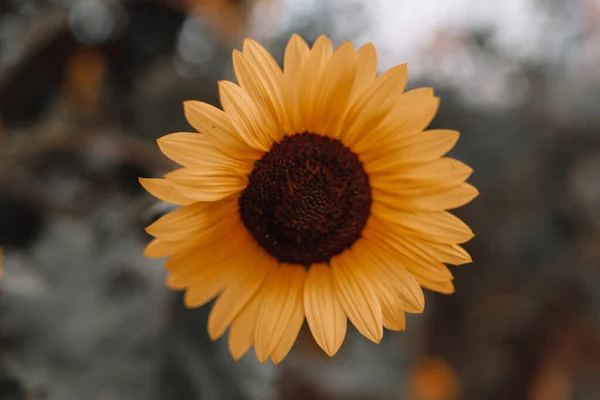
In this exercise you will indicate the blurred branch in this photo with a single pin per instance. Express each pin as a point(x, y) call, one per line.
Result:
point(19, 154)
point(41, 30)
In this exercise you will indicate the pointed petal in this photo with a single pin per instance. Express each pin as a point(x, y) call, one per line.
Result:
point(163, 190)
point(214, 123)
point(187, 274)
point(446, 253)
point(373, 105)
point(444, 287)
point(270, 76)
point(157, 249)
point(389, 275)
point(241, 332)
point(186, 221)
point(235, 297)
point(208, 282)
point(324, 313)
point(292, 329)
point(394, 318)
point(268, 102)
point(446, 199)
point(235, 240)
point(308, 95)
point(430, 252)
point(412, 257)
point(438, 227)
point(202, 185)
point(414, 148)
point(204, 292)
point(392, 310)
point(196, 150)
point(282, 298)
point(335, 84)
point(413, 111)
point(366, 69)
point(410, 250)
point(357, 296)
point(254, 126)
point(213, 232)
point(264, 62)
point(423, 180)
point(296, 54)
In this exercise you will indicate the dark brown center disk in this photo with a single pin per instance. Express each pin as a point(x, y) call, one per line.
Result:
point(307, 200)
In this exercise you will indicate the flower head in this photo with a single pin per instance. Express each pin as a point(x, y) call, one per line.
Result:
point(317, 194)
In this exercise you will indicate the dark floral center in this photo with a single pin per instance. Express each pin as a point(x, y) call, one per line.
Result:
point(307, 200)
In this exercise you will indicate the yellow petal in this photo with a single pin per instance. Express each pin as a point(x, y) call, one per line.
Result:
point(270, 76)
point(211, 279)
point(212, 233)
point(414, 252)
point(254, 126)
point(296, 54)
point(450, 199)
point(438, 227)
point(373, 105)
point(158, 248)
point(412, 112)
point(366, 69)
point(414, 261)
point(190, 275)
point(335, 84)
point(235, 297)
point(262, 96)
point(212, 122)
point(357, 296)
point(264, 63)
point(423, 180)
point(446, 253)
point(186, 221)
point(414, 148)
point(196, 150)
point(445, 199)
point(215, 229)
point(188, 269)
point(309, 92)
point(292, 329)
point(389, 275)
point(428, 251)
point(324, 313)
point(392, 307)
point(282, 298)
point(444, 287)
point(442, 169)
point(163, 190)
point(150, 249)
point(241, 332)
point(394, 318)
point(206, 185)
point(235, 242)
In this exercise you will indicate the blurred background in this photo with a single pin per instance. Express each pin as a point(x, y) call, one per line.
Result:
point(86, 86)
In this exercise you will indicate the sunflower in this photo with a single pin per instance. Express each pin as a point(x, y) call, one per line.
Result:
point(317, 194)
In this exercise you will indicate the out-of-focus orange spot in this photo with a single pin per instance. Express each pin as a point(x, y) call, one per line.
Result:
point(553, 383)
point(226, 17)
point(85, 73)
point(433, 379)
